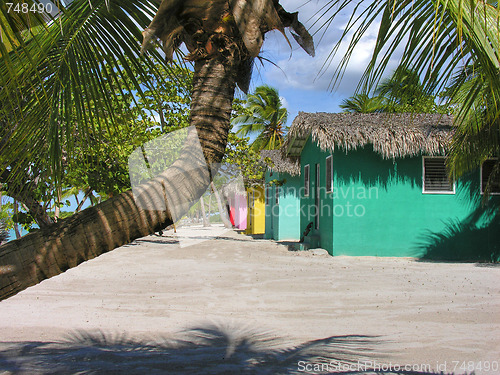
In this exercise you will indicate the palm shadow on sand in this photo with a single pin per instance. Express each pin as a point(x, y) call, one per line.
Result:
point(209, 349)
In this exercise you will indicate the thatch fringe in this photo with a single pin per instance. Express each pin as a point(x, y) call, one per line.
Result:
point(392, 135)
point(275, 161)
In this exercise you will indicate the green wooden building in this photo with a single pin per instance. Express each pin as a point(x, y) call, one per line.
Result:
point(377, 185)
point(283, 185)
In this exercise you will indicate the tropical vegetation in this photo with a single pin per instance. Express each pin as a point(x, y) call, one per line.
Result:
point(402, 92)
point(101, 171)
point(363, 103)
point(453, 44)
point(55, 77)
point(265, 118)
point(55, 81)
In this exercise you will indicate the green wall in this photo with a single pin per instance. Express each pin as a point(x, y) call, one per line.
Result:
point(283, 219)
point(377, 208)
point(312, 155)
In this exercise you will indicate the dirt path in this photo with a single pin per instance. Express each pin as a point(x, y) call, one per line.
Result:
point(252, 305)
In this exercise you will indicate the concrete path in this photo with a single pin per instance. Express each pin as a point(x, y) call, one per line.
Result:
point(238, 305)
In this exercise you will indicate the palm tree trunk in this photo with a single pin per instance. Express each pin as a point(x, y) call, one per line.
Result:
point(119, 220)
point(203, 213)
point(209, 209)
point(35, 208)
point(84, 199)
point(163, 124)
point(16, 226)
point(57, 208)
point(222, 211)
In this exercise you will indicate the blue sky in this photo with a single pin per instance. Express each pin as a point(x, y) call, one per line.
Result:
point(297, 75)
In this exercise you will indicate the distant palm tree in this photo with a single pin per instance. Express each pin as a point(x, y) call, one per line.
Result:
point(404, 92)
point(363, 103)
point(401, 92)
point(266, 118)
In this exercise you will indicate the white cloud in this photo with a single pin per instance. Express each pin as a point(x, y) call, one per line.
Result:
point(295, 69)
point(284, 102)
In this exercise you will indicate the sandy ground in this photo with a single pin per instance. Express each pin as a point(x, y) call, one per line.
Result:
point(239, 305)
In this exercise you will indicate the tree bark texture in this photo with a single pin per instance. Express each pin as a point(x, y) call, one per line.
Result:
point(222, 209)
point(120, 220)
point(22, 194)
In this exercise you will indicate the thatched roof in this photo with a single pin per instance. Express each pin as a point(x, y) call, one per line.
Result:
point(279, 163)
point(392, 135)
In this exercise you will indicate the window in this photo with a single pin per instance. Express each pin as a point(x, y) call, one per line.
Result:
point(486, 170)
point(277, 195)
point(306, 180)
point(329, 174)
point(268, 194)
point(435, 176)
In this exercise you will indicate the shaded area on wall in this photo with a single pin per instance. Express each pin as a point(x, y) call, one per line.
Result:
point(368, 168)
point(475, 239)
point(398, 219)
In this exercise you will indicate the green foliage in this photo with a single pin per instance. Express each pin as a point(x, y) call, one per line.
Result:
point(24, 219)
point(240, 154)
point(362, 103)
point(477, 136)
point(401, 93)
point(6, 214)
point(99, 161)
point(60, 81)
point(77, 96)
point(440, 38)
point(264, 117)
point(171, 97)
point(95, 156)
point(277, 182)
point(104, 169)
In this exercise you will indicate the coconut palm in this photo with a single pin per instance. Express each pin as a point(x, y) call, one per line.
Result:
point(441, 38)
point(265, 118)
point(363, 103)
point(51, 84)
point(403, 92)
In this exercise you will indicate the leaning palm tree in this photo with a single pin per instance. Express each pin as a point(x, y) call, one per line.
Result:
point(265, 119)
point(222, 37)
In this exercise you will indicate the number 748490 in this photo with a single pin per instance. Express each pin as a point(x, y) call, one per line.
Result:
point(27, 8)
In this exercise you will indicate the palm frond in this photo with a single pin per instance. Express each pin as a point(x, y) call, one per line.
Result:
point(57, 79)
point(441, 38)
point(438, 36)
point(266, 118)
point(362, 103)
